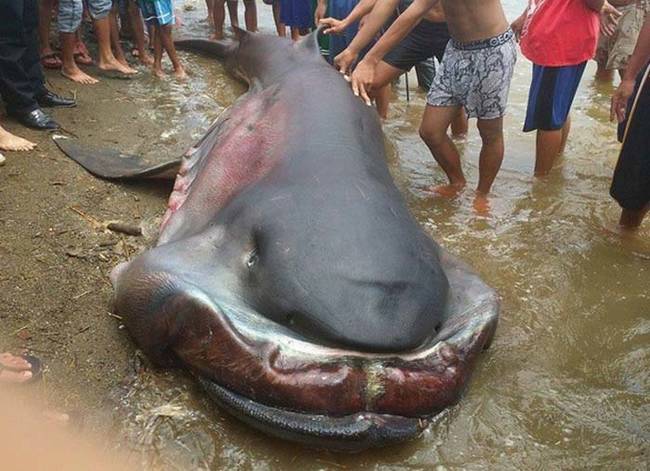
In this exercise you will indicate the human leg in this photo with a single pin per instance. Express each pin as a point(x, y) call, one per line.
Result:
point(601, 58)
point(210, 6)
point(250, 15)
point(492, 150)
point(380, 91)
point(49, 58)
point(219, 17)
point(70, 70)
point(551, 95)
point(167, 42)
point(100, 12)
point(632, 218)
point(460, 125)
point(631, 181)
point(157, 52)
point(118, 52)
point(69, 19)
point(138, 33)
point(115, 36)
point(433, 131)
point(233, 14)
point(280, 27)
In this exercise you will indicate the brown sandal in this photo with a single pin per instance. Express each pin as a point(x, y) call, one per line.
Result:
point(51, 61)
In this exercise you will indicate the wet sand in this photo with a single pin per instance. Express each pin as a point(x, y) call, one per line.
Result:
point(565, 384)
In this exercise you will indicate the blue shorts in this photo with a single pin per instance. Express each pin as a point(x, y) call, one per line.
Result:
point(551, 95)
point(159, 12)
point(71, 11)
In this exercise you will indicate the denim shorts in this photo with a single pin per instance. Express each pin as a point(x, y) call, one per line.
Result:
point(71, 11)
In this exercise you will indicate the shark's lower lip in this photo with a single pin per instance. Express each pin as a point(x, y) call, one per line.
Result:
point(351, 433)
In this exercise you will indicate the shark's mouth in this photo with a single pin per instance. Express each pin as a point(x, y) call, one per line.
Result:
point(285, 385)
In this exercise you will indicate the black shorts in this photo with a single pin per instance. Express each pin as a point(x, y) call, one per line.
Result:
point(631, 183)
point(426, 40)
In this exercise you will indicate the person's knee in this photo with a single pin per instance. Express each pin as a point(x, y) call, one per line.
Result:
point(431, 136)
point(69, 15)
point(491, 131)
point(99, 9)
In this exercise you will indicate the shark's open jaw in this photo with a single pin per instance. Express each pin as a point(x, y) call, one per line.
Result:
point(273, 379)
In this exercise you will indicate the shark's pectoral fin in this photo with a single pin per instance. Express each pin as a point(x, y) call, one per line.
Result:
point(113, 164)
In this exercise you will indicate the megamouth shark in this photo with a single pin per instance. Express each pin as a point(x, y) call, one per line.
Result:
point(289, 276)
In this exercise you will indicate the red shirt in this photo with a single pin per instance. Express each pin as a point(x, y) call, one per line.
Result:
point(560, 32)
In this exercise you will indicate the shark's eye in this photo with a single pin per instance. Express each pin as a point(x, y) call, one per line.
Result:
point(253, 258)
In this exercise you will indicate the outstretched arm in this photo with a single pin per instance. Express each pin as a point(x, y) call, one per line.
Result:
point(373, 23)
point(334, 26)
point(363, 75)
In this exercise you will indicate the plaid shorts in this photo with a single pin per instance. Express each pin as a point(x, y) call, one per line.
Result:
point(159, 12)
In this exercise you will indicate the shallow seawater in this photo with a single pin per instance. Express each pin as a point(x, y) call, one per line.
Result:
point(566, 383)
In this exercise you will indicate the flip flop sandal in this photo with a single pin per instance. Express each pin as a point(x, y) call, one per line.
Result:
point(36, 369)
point(51, 61)
point(82, 58)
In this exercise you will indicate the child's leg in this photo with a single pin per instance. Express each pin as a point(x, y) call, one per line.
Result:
point(165, 33)
point(138, 33)
point(115, 36)
point(250, 15)
point(100, 11)
point(44, 21)
point(232, 13)
point(219, 16)
point(279, 25)
point(210, 5)
point(295, 33)
point(157, 52)
point(69, 19)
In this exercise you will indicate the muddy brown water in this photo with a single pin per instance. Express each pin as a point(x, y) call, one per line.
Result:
point(565, 385)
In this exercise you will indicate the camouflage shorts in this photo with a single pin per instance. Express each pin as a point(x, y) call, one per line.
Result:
point(614, 52)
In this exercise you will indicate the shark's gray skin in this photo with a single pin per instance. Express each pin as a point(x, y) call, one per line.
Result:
point(289, 275)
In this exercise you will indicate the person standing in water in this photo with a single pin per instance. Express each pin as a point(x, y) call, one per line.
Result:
point(614, 50)
point(475, 74)
point(631, 106)
point(558, 37)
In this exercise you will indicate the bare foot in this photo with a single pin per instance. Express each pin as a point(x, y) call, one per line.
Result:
point(158, 72)
point(10, 141)
point(14, 369)
point(77, 75)
point(116, 66)
point(122, 61)
point(481, 204)
point(449, 191)
point(145, 59)
point(216, 37)
point(179, 73)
